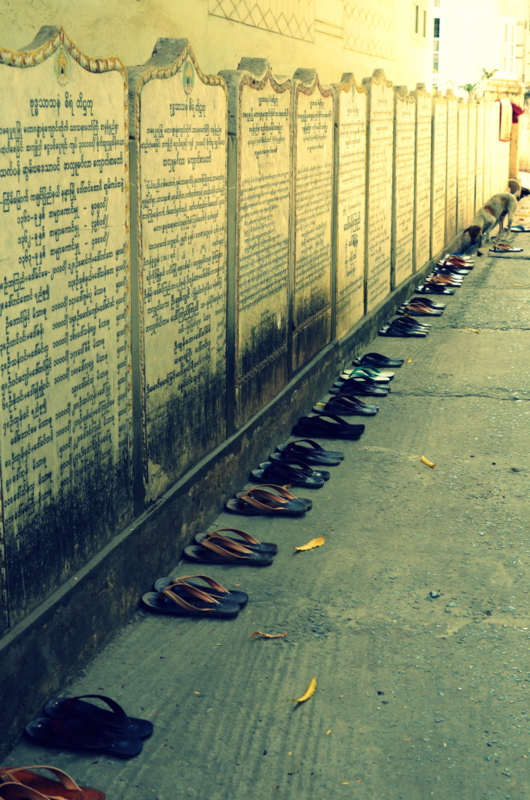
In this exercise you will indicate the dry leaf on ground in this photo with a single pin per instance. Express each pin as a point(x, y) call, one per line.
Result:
point(318, 542)
point(474, 330)
point(268, 635)
point(309, 692)
point(426, 461)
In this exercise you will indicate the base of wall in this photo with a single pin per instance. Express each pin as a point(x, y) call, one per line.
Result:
point(59, 637)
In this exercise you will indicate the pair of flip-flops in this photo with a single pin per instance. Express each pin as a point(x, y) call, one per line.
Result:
point(329, 426)
point(519, 229)
point(184, 597)
point(309, 452)
point(21, 783)
point(242, 550)
point(378, 360)
point(74, 724)
point(346, 405)
point(293, 472)
point(500, 247)
point(405, 327)
point(269, 500)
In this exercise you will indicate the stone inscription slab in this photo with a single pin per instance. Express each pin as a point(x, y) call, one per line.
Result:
point(439, 173)
point(479, 163)
point(263, 209)
point(471, 160)
point(313, 202)
point(488, 146)
point(181, 129)
point(422, 228)
point(65, 439)
point(452, 166)
point(404, 183)
point(351, 193)
point(462, 182)
point(379, 204)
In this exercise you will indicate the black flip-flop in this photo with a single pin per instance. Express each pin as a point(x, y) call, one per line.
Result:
point(179, 601)
point(213, 588)
point(378, 361)
point(115, 720)
point(282, 459)
point(257, 502)
point(75, 733)
point(433, 288)
point(356, 386)
point(283, 473)
point(329, 426)
point(346, 405)
point(315, 453)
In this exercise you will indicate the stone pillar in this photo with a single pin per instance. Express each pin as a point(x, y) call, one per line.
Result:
point(350, 192)
point(439, 173)
point(65, 344)
point(462, 180)
point(380, 139)
point(422, 178)
point(479, 164)
point(260, 170)
point(452, 165)
point(471, 159)
point(179, 141)
point(488, 150)
point(313, 161)
point(403, 184)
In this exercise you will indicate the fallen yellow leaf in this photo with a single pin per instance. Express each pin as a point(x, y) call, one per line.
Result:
point(408, 361)
point(474, 330)
point(313, 543)
point(426, 461)
point(309, 692)
point(268, 635)
point(327, 732)
point(196, 692)
point(345, 783)
point(520, 285)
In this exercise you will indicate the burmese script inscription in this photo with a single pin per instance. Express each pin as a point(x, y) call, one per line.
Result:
point(423, 178)
point(479, 169)
point(379, 210)
point(182, 202)
point(462, 181)
point(313, 192)
point(263, 223)
point(439, 164)
point(452, 166)
point(404, 155)
point(64, 305)
point(352, 108)
point(471, 160)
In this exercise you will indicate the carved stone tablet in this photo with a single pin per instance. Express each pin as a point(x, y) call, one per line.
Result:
point(422, 232)
point(65, 344)
point(260, 122)
point(471, 159)
point(462, 190)
point(350, 173)
point(379, 194)
point(439, 173)
point(488, 147)
point(179, 121)
point(403, 191)
point(452, 165)
point(479, 164)
point(313, 120)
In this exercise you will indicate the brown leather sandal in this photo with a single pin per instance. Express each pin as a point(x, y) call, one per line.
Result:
point(36, 786)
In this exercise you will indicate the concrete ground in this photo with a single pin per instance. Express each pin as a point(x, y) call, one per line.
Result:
point(417, 697)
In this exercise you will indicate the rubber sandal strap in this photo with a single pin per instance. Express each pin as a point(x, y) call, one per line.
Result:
point(227, 543)
point(311, 442)
point(227, 551)
point(281, 490)
point(69, 704)
point(200, 594)
point(244, 535)
point(179, 601)
point(12, 789)
point(269, 500)
point(63, 777)
point(205, 578)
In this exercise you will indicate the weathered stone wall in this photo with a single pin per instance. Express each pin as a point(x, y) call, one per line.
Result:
point(177, 246)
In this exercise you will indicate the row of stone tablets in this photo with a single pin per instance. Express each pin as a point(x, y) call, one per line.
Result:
point(268, 214)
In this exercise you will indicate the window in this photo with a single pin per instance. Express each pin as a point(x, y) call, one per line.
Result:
point(436, 46)
point(419, 21)
point(508, 44)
